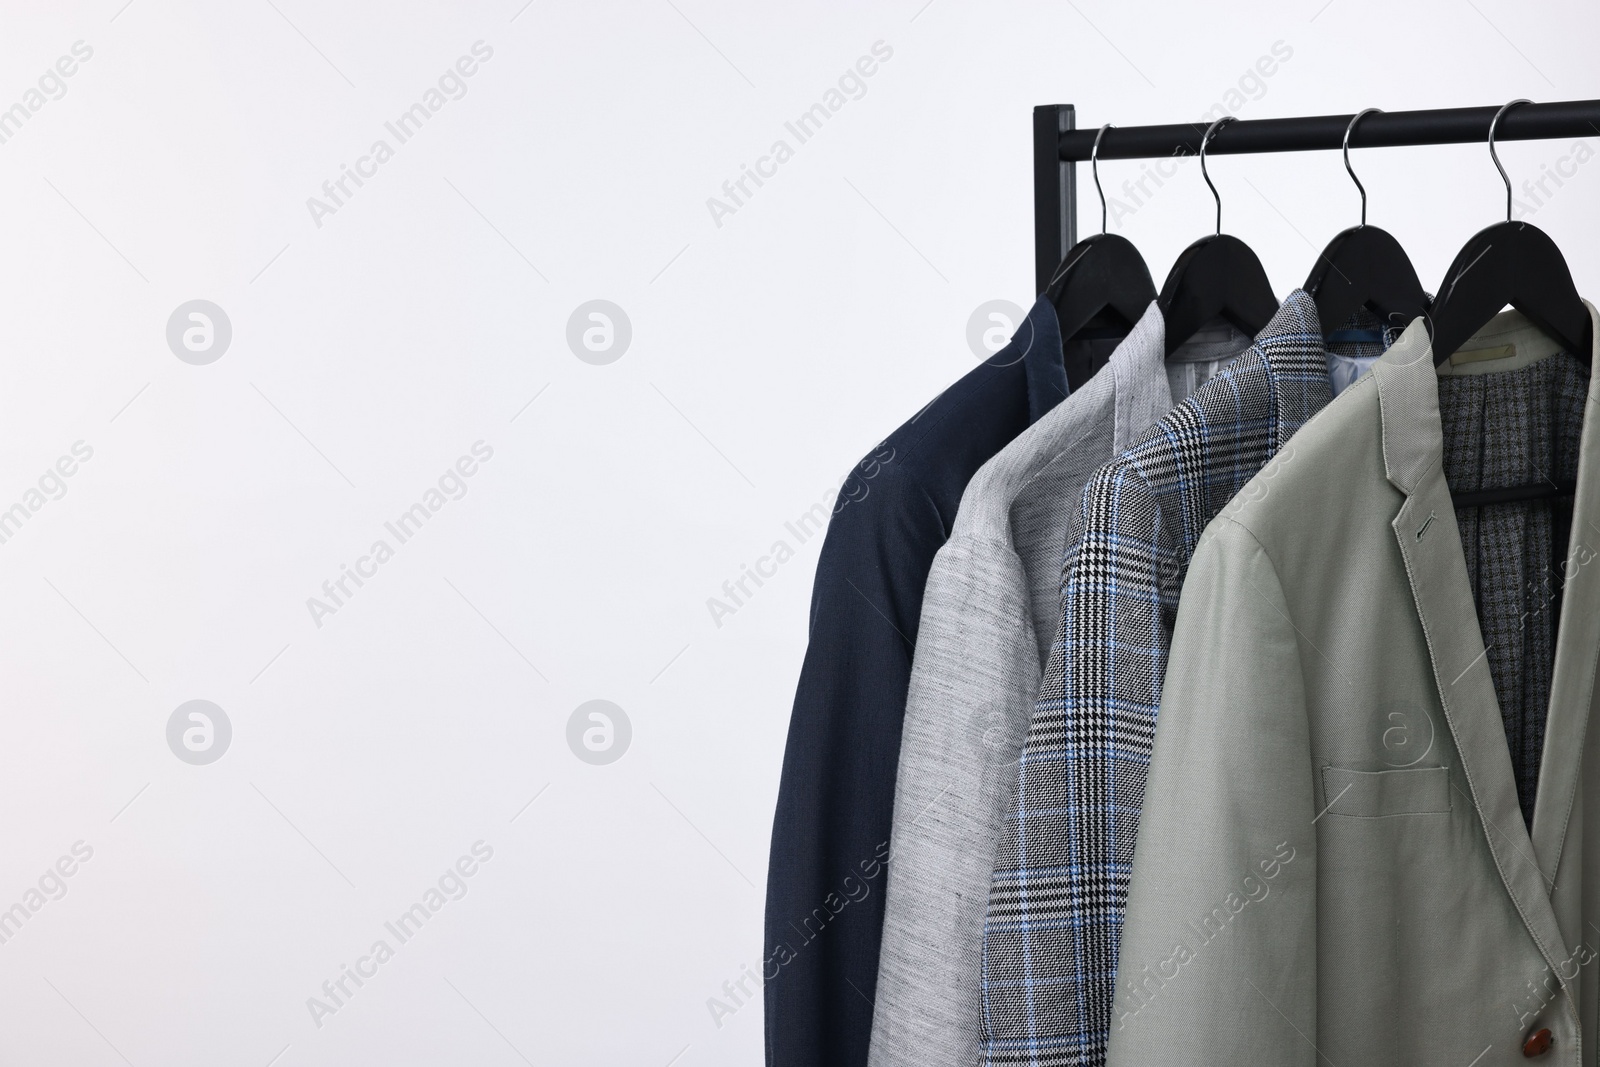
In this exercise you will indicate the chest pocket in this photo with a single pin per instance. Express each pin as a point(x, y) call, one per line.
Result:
point(1375, 794)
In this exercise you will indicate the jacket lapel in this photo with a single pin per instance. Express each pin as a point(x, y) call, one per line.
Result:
point(1577, 642)
point(1430, 542)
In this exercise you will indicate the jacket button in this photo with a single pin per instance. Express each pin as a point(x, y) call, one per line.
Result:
point(1537, 1044)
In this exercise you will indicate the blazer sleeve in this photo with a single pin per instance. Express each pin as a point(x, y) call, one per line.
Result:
point(830, 832)
point(1218, 953)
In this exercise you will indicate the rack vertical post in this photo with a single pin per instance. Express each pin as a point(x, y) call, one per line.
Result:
point(1055, 191)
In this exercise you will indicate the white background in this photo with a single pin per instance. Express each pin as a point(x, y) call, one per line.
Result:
point(768, 354)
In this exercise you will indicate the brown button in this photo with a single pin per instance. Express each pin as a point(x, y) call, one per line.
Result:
point(1537, 1045)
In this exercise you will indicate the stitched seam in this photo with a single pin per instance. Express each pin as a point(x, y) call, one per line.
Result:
point(1449, 806)
point(1390, 814)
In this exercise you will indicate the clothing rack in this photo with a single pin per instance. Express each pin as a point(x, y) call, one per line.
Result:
point(1058, 146)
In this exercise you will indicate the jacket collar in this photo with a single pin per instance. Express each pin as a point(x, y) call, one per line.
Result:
point(1408, 397)
point(1037, 345)
point(1291, 347)
point(1141, 394)
point(1430, 542)
point(1218, 437)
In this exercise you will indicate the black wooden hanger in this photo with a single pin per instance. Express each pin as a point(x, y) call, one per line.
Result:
point(1101, 288)
point(1518, 264)
point(1216, 276)
point(1364, 267)
point(1509, 263)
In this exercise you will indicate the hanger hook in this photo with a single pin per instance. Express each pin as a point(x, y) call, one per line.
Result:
point(1493, 123)
point(1094, 165)
point(1348, 130)
point(1205, 140)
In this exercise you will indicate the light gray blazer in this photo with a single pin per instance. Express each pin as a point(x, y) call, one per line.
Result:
point(1332, 865)
point(988, 616)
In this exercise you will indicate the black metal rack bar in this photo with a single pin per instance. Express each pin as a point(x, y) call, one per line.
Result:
point(1058, 146)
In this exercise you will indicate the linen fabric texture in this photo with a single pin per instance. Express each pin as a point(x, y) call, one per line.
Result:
point(987, 616)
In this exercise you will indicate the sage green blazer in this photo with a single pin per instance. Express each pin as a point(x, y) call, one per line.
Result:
point(1332, 866)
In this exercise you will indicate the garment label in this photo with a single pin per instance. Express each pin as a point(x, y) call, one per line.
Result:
point(1479, 355)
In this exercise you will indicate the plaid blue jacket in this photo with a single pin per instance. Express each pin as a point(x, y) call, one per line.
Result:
point(1060, 886)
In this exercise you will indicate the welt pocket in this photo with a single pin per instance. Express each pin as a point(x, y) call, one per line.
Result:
point(1375, 794)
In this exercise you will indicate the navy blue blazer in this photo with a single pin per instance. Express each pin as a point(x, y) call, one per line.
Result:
point(830, 833)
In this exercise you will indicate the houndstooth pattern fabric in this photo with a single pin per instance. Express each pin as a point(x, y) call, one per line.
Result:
point(1053, 926)
point(1504, 429)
